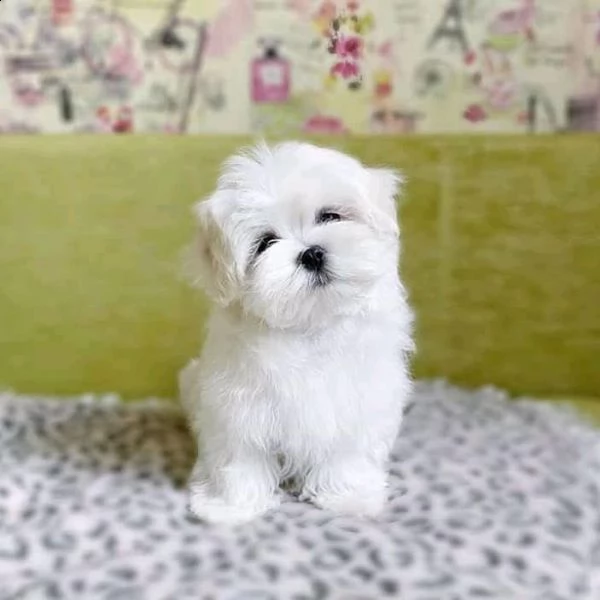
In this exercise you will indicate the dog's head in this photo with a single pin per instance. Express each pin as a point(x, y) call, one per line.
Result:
point(297, 234)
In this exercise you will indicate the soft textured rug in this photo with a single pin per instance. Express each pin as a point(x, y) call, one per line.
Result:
point(489, 499)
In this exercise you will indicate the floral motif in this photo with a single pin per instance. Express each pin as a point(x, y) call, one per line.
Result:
point(344, 30)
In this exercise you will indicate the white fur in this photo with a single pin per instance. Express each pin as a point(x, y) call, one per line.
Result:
point(297, 379)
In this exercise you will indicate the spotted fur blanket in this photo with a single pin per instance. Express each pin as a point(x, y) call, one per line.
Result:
point(489, 499)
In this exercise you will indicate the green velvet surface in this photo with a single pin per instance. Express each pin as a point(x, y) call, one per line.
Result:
point(589, 408)
point(501, 257)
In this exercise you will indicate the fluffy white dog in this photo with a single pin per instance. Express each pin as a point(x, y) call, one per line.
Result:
point(304, 370)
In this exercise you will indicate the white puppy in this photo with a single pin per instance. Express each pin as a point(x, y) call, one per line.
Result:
point(304, 370)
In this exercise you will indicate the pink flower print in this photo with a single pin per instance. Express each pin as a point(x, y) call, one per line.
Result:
point(323, 124)
point(230, 25)
point(386, 50)
point(324, 18)
point(475, 113)
point(346, 69)
point(28, 89)
point(349, 47)
point(470, 57)
point(122, 63)
point(103, 120)
point(302, 7)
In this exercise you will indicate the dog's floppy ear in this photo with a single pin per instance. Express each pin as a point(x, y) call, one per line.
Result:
point(384, 187)
point(210, 260)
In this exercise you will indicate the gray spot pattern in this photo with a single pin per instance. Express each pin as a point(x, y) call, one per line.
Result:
point(489, 499)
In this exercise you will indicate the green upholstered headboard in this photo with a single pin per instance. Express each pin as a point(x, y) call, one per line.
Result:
point(501, 255)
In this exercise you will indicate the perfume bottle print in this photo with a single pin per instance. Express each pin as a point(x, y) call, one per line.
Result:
point(271, 79)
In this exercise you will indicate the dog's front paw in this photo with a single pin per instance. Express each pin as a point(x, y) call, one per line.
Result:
point(348, 487)
point(217, 511)
point(360, 503)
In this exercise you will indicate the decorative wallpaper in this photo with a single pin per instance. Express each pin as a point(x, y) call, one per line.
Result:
point(289, 66)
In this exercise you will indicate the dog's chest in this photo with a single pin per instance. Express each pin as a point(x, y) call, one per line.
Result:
point(312, 392)
point(301, 393)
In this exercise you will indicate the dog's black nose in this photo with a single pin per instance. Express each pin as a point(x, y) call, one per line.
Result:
point(313, 258)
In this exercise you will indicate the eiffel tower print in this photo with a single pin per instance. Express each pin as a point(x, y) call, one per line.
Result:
point(451, 28)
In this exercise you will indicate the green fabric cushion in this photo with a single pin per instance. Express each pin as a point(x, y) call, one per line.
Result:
point(501, 255)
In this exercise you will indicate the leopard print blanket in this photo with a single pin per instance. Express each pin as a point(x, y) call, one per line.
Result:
point(489, 499)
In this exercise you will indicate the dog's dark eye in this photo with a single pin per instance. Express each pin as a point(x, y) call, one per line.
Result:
point(328, 216)
point(267, 240)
